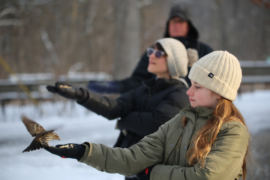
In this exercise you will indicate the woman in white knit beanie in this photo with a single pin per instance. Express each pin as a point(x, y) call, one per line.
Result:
point(215, 81)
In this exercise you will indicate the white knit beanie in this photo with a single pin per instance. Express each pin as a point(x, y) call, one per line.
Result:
point(218, 71)
point(177, 58)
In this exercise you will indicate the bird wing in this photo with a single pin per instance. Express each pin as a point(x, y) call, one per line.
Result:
point(32, 127)
point(39, 141)
point(35, 144)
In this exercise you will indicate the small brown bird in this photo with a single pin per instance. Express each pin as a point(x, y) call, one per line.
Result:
point(41, 135)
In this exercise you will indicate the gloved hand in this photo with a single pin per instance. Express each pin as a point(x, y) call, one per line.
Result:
point(145, 174)
point(66, 90)
point(74, 151)
point(109, 87)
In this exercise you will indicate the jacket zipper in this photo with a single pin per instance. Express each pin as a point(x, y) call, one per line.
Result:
point(175, 148)
point(181, 142)
point(187, 146)
point(196, 116)
point(149, 95)
point(150, 92)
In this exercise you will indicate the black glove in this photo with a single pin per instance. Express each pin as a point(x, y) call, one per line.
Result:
point(66, 91)
point(74, 151)
point(145, 174)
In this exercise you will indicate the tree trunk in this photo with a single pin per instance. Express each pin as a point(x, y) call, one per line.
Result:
point(127, 42)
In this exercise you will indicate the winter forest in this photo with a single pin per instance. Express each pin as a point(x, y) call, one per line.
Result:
point(77, 41)
point(102, 35)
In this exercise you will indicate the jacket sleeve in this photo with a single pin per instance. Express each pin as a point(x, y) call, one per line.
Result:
point(144, 123)
point(128, 161)
point(139, 74)
point(224, 161)
point(108, 107)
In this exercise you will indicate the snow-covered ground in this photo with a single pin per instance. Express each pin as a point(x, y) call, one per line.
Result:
point(77, 125)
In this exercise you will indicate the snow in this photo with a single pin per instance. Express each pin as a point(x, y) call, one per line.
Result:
point(255, 107)
point(76, 125)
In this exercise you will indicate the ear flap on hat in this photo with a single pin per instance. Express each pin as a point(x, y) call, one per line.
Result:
point(192, 56)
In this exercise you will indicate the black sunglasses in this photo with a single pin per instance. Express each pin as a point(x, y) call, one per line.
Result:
point(158, 53)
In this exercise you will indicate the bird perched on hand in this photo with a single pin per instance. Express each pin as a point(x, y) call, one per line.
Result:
point(42, 137)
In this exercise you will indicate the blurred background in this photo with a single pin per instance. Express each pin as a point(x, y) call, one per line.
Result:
point(53, 35)
point(43, 41)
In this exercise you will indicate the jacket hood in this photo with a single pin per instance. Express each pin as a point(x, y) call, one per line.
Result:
point(181, 11)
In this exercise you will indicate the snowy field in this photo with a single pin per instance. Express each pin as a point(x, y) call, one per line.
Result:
point(77, 125)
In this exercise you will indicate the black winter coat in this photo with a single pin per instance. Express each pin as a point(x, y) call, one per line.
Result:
point(142, 110)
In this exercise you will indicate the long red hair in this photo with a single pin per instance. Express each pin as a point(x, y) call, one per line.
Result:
point(224, 112)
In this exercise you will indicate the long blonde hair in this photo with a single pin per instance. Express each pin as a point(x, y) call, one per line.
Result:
point(205, 137)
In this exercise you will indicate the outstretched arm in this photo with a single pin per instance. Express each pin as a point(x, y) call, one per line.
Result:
point(102, 105)
point(127, 161)
point(108, 107)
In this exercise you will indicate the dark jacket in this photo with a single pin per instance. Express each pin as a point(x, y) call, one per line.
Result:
point(142, 110)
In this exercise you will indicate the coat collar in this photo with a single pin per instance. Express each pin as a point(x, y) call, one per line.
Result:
point(158, 84)
point(197, 112)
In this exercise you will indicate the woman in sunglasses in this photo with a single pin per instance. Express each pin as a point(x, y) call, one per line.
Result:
point(207, 140)
point(144, 109)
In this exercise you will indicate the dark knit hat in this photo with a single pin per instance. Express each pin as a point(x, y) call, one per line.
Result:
point(180, 11)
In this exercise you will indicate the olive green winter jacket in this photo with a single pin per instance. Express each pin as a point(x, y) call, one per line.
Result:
point(167, 149)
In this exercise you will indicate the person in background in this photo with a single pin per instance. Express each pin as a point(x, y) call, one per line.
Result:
point(144, 109)
point(178, 26)
point(207, 140)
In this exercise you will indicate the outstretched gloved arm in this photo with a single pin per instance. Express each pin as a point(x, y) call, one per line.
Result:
point(102, 105)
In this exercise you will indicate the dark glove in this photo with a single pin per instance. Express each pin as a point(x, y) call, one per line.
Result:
point(103, 86)
point(74, 151)
point(66, 91)
point(145, 174)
